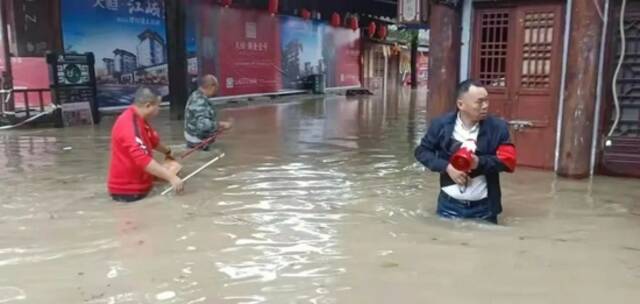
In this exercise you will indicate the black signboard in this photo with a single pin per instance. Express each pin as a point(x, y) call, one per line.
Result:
point(73, 85)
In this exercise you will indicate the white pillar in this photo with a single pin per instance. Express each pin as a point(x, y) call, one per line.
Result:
point(466, 45)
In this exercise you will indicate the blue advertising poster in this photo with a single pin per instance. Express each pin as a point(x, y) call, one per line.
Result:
point(301, 44)
point(128, 39)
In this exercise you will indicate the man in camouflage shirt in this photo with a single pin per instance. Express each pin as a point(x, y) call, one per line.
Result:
point(201, 119)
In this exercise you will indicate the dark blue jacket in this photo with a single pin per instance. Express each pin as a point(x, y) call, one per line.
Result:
point(437, 146)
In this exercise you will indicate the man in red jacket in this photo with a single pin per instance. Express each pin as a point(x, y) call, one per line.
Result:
point(132, 141)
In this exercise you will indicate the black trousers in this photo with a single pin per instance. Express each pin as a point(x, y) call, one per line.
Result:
point(127, 198)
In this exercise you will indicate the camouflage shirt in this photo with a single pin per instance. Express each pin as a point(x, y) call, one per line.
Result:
point(200, 118)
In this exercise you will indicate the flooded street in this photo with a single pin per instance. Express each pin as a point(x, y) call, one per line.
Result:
point(316, 201)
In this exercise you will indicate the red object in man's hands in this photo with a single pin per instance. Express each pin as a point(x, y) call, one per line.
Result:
point(507, 155)
point(462, 160)
point(305, 14)
point(335, 19)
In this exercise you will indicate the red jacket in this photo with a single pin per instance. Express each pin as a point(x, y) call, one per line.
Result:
point(132, 143)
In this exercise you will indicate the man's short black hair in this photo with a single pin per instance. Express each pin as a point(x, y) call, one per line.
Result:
point(465, 86)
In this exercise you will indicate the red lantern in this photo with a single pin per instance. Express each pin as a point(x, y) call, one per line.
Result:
point(273, 7)
point(335, 19)
point(382, 32)
point(353, 23)
point(371, 30)
point(305, 14)
point(226, 3)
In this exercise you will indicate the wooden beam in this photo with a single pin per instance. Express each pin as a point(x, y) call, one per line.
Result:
point(580, 91)
point(444, 61)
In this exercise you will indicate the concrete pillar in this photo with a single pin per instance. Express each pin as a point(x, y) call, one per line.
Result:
point(580, 90)
point(177, 54)
point(444, 61)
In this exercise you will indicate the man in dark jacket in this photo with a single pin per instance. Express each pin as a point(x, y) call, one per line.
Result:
point(474, 194)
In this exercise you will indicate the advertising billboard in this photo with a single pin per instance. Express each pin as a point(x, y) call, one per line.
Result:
point(128, 39)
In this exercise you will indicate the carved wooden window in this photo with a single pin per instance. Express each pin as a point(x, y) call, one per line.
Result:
point(494, 34)
point(537, 50)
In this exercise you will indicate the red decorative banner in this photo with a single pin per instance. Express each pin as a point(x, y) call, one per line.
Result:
point(248, 52)
point(347, 57)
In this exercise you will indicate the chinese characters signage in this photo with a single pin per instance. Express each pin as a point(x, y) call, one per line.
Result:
point(140, 12)
point(144, 7)
point(252, 46)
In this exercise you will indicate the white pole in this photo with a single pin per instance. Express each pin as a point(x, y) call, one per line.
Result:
point(196, 172)
point(563, 82)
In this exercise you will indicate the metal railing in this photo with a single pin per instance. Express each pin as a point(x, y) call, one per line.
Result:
point(23, 103)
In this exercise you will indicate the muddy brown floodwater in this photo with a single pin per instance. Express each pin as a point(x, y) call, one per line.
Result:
point(316, 201)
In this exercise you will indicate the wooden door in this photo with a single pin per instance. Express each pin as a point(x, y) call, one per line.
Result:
point(518, 54)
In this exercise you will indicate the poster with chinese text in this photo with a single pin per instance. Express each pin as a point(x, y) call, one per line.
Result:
point(248, 53)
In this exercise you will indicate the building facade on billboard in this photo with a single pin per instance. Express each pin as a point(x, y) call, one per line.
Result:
point(125, 61)
point(291, 62)
point(301, 45)
point(152, 75)
point(110, 66)
point(152, 49)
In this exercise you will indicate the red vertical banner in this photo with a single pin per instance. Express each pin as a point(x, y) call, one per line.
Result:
point(249, 52)
point(347, 70)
